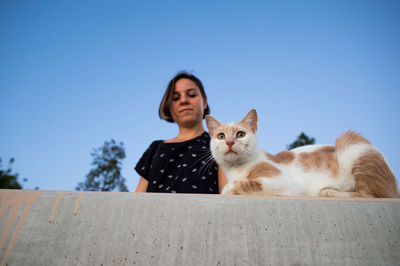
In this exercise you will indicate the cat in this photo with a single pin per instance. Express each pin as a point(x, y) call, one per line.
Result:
point(350, 168)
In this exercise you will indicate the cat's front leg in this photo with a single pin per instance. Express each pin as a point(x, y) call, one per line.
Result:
point(242, 187)
point(228, 189)
point(248, 186)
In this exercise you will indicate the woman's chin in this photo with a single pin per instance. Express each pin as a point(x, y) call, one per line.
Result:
point(188, 121)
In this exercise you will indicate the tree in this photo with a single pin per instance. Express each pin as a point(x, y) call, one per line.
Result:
point(301, 140)
point(106, 176)
point(8, 180)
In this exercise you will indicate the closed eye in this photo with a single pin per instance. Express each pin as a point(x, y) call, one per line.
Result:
point(175, 96)
point(191, 93)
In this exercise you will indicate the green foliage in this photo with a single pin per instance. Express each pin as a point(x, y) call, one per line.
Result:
point(8, 180)
point(301, 140)
point(106, 176)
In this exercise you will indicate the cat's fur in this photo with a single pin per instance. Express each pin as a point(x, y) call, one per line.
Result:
point(351, 168)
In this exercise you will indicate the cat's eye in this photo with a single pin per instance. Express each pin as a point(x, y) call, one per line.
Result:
point(240, 134)
point(221, 136)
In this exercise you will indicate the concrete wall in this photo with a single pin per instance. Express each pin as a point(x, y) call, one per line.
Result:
point(91, 228)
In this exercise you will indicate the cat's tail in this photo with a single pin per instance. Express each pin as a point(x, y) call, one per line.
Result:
point(358, 157)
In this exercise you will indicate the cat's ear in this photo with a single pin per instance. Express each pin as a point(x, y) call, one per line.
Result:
point(211, 123)
point(251, 120)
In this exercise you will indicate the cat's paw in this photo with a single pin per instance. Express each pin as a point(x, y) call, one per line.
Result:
point(228, 189)
point(328, 192)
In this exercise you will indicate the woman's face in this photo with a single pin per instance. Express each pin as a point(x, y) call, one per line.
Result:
point(187, 106)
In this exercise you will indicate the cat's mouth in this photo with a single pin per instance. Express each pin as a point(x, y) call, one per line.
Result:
point(230, 152)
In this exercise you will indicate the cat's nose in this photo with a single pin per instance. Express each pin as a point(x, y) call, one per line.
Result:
point(230, 143)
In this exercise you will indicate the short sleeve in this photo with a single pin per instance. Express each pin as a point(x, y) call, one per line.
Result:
point(143, 166)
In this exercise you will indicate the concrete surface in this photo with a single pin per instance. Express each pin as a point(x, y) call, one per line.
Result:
point(93, 228)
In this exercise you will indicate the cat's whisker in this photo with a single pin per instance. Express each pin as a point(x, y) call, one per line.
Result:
point(206, 166)
point(208, 160)
point(206, 154)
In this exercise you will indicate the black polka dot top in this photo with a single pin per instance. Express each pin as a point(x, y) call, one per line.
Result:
point(183, 167)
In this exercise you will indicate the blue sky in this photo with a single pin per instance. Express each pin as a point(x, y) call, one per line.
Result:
point(74, 74)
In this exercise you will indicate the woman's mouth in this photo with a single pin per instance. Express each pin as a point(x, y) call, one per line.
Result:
point(185, 110)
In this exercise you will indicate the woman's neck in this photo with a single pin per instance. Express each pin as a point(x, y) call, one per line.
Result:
point(187, 133)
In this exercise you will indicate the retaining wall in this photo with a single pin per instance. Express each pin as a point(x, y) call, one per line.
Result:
point(102, 228)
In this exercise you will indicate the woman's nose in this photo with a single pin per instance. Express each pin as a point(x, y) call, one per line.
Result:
point(183, 99)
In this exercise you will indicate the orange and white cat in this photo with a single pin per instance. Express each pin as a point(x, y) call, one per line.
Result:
point(351, 168)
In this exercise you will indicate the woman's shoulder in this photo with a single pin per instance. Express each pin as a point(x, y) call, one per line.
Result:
point(155, 144)
point(204, 138)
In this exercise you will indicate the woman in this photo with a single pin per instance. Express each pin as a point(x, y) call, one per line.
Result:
point(182, 164)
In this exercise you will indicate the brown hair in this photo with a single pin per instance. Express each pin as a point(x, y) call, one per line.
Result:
point(164, 111)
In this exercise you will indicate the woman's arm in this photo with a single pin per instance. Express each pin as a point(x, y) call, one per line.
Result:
point(142, 186)
point(221, 179)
